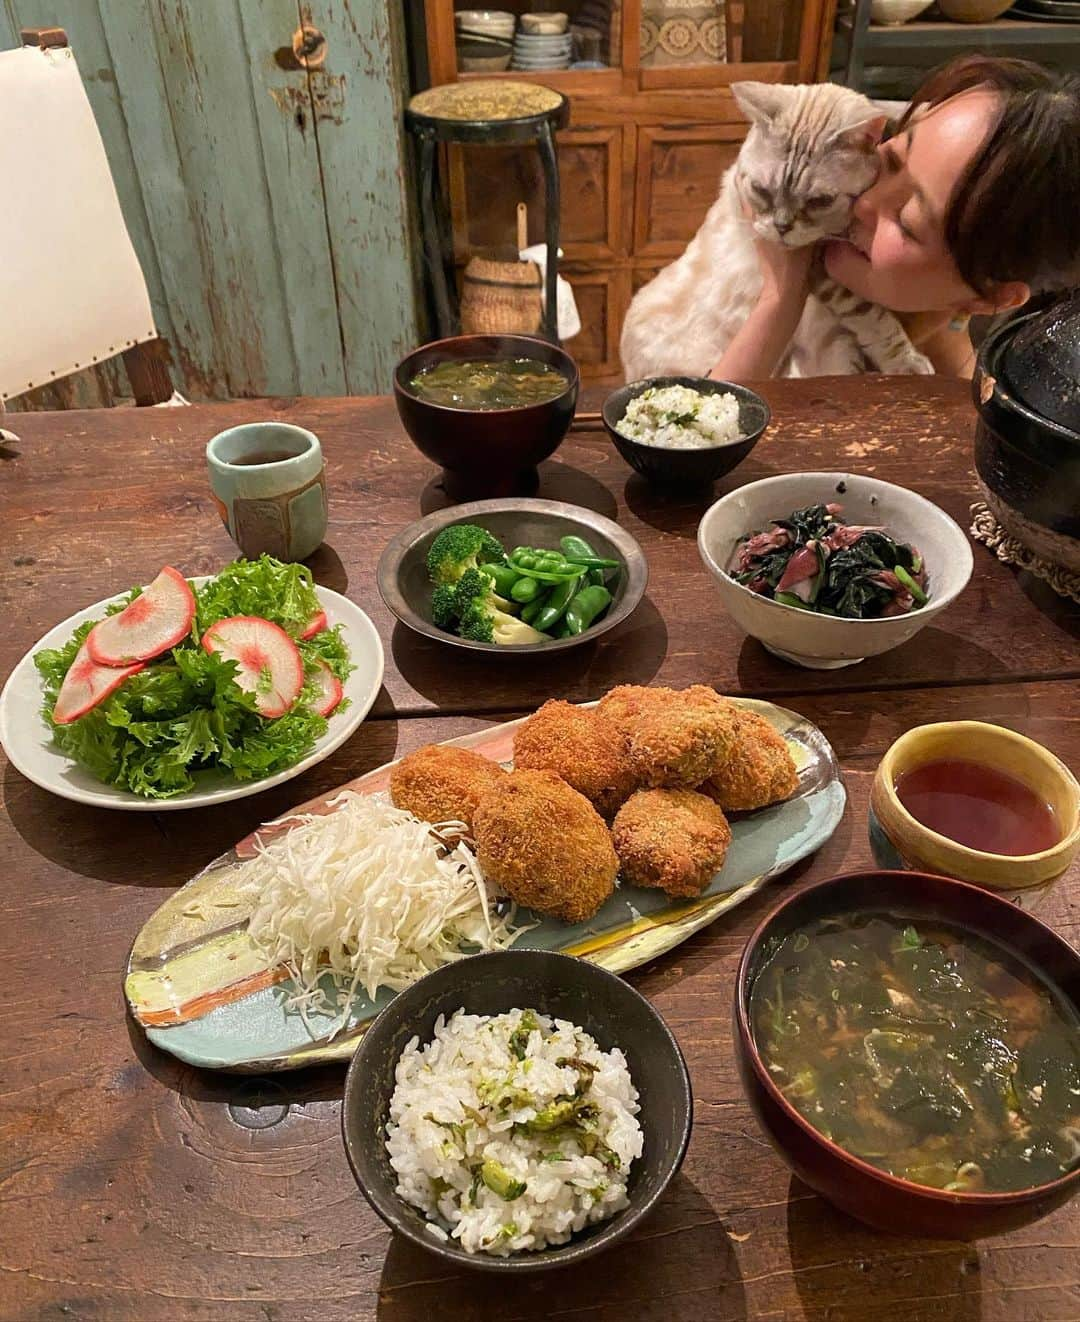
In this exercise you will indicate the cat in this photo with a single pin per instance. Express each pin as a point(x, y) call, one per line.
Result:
point(808, 155)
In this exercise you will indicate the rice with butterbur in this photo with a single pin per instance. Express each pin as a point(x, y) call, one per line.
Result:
point(473, 1101)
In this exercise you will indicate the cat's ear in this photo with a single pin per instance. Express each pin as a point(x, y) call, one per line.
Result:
point(759, 102)
point(861, 136)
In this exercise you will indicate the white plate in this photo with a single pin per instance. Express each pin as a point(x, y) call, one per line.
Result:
point(28, 742)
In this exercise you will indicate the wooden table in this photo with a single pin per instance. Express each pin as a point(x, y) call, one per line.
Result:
point(136, 1188)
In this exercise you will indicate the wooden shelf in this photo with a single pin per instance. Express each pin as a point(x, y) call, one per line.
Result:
point(574, 82)
point(944, 36)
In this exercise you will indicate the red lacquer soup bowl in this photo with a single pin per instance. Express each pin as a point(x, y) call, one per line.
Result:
point(864, 1191)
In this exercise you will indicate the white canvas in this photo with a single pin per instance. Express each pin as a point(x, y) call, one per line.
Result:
point(72, 292)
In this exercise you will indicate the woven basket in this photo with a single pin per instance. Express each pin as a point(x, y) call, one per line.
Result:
point(500, 298)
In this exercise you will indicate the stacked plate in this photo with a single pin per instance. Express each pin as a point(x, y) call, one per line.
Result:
point(542, 51)
point(483, 39)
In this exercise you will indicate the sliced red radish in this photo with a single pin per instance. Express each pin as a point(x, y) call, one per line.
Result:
point(330, 690)
point(155, 621)
point(267, 660)
point(86, 684)
point(315, 625)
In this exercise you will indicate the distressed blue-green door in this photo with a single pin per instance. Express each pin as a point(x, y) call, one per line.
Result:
point(266, 199)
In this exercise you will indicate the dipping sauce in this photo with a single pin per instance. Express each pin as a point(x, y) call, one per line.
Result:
point(930, 1053)
point(505, 383)
point(978, 806)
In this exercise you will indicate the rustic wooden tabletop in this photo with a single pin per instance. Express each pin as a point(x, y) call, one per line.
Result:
point(133, 1187)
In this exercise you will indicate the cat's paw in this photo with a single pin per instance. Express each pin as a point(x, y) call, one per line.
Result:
point(907, 362)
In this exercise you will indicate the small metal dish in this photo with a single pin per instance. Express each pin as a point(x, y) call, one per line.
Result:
point(406, 589)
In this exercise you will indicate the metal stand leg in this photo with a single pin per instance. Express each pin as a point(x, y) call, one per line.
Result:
point(432, 245)
point(551, 230)
point(860, 23)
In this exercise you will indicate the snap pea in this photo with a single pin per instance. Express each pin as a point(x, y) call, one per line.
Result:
point(532, 609)
point(557, 603)
point(572, 545)
point(586, 605)
point(525, 590)
point(592, 562)
point(502, 576)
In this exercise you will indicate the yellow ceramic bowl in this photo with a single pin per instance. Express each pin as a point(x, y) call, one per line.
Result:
point(899, 840)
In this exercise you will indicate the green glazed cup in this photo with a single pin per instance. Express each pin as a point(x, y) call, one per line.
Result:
point(269, 485)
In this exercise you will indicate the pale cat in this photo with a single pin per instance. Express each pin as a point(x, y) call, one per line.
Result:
point(808, 156)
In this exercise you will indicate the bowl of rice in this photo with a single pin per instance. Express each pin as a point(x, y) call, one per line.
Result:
point(681, 430)
point(495, 1112)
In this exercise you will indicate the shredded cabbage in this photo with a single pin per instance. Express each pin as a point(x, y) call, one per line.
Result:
point(371, 895)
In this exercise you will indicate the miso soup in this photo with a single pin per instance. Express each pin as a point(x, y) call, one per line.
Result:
point(505, 383)
point(932, 1054)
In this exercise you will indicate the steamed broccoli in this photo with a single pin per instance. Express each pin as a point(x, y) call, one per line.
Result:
point(443, 613)
point(459, 548)
point(473, 588)
point(484, 622)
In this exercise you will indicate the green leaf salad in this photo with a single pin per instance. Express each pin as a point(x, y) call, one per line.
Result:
point(184, 712)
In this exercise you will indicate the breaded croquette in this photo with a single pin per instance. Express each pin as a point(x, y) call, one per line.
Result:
point(678, 737)
point(759, 769)
point(439, 783)
point(672, 839)
point(625, 703)
point(545, 845)
point(582, 746)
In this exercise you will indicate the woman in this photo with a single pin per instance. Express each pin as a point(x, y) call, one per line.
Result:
point(976, 208)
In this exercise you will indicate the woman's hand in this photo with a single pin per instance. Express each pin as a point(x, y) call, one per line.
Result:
point(760, 343)
point(785, 272)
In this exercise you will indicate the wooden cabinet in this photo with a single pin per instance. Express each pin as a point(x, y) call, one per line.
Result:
point(650, 135)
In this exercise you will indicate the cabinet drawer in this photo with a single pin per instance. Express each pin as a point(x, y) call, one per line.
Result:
point(678, 179)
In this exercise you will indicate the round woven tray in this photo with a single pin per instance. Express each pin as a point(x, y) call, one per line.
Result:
point(987, 528)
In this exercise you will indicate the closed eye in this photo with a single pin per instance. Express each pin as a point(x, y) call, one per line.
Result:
point(821, 201)
point(763, 193)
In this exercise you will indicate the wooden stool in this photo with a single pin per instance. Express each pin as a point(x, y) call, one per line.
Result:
point(495, 113)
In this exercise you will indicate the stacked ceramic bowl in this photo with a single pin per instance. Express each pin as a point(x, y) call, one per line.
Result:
point(542, 42)
point(484, 38)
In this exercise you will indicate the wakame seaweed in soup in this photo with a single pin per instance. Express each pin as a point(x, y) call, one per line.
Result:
point(504, 383)
point(932, 1054)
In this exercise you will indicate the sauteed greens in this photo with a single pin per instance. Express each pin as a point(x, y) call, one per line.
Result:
point(929, 1053)
point(816, 561)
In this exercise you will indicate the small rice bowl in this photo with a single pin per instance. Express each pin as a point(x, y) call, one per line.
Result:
point(680, 418)
point(512, 1132)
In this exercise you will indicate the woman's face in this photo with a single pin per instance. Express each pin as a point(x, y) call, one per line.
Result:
point(897, 255)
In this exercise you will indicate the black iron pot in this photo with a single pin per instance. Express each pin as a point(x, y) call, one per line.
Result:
point(1027, 445)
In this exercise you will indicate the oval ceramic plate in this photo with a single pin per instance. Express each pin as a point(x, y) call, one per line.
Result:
point(30, 749)
point(203, 991)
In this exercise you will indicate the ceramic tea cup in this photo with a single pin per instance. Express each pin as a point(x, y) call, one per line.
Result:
point(269, 485)
point(900, 840)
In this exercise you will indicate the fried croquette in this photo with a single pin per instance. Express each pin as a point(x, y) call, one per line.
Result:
point(625, 703)
point(759, 769)
point(673, 839)
point(438, 783)
point(586, 749)
point(545, 845)
point(678, 737)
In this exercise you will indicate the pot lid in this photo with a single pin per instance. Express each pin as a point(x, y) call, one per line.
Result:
point(1042, 362)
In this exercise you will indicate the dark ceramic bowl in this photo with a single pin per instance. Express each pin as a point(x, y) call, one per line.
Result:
point(486, 452)
point(406, 589)
point(686, 467)
point(854, 1185)
point(604, 1005)
point(1028, 464)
